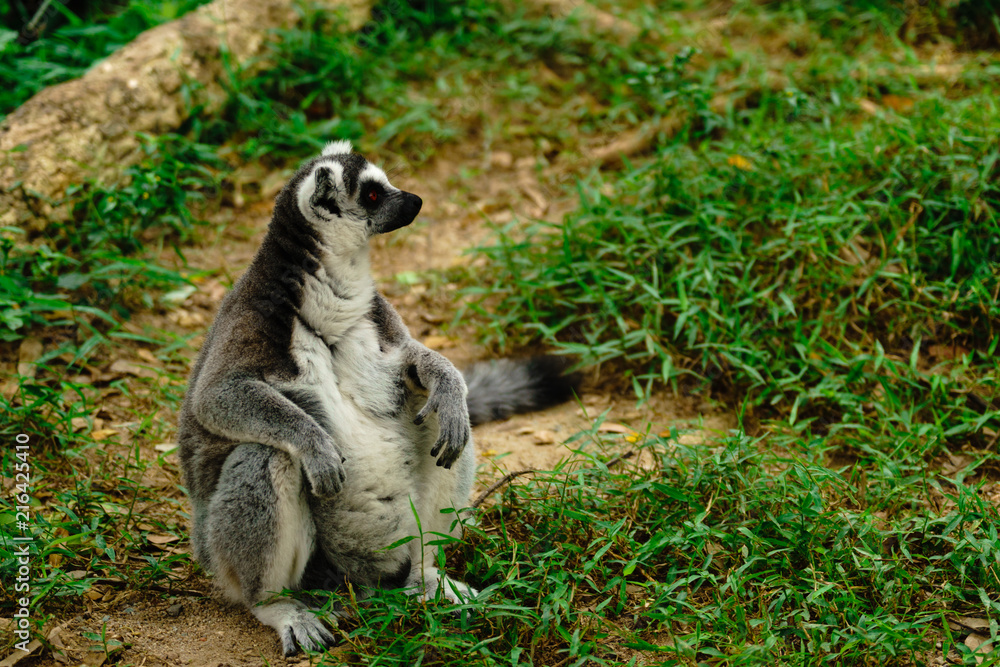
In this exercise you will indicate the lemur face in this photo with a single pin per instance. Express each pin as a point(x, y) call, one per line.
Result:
point(348, 199)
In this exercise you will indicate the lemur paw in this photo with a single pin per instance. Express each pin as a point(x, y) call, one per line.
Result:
point(456, 591)
point(455, 429)
point(305, 632)
point(298, 627)
point(325, 474)
point(451, 590)
point(454, 436)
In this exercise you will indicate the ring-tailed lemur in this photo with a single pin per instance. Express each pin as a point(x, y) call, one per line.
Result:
point(312, 420)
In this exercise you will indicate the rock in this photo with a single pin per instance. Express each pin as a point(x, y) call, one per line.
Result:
point(87, 127)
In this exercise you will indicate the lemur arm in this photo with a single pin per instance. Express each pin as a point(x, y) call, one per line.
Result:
point(444, 383)
point(392, 332)
point(243, 409)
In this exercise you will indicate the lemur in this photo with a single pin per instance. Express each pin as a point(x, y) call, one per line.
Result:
point(313, 420)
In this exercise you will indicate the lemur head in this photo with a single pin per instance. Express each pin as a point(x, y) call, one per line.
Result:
point(347, 200)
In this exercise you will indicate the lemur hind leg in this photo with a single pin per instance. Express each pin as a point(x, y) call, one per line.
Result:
point(260, 536)
point(441, 489)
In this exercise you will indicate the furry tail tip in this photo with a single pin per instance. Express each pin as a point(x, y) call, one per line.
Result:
point(499, 389)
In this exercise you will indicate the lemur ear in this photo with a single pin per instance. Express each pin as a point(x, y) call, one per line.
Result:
point(325, 194)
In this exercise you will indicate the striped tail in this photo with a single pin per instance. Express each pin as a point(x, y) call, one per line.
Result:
point(499, 389)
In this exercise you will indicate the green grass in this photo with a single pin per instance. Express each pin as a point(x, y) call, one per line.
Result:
point(826, 273)
point(69, 42)
point(834, 274)
point(88, 263)
point(711, 554)
point(779, 255)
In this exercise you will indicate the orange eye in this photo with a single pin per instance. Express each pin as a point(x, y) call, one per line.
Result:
point(373, 195)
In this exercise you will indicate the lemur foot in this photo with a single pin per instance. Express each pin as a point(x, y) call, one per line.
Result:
point(458, 592)
point(298, 626)
point(451, 590)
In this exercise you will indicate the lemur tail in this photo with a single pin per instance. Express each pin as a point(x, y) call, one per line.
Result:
point(499, 389)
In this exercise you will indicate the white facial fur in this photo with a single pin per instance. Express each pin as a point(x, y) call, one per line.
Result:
point(373, 173)
point(345, 231)
point(346, 226)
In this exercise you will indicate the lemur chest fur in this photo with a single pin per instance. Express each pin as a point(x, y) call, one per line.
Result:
point(355, 384)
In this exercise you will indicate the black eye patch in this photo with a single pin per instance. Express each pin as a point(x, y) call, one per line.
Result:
point(371, 194)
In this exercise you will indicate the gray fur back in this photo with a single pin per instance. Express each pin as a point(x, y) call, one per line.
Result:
point(499, 389)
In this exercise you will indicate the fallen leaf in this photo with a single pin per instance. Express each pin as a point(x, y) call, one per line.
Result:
point(968, 623)
point(60, 651)
point(124, 367)
point(947, 352)
point(739, 162)
point(438, 342)
point(630, 434)
point(535, 195)
point(632, 142)
point(502, 159)
point(103, 434)
point(63, 657)
point(186, 318)
point(9, 388)
point(980, 647)
point(691, 439)
point(544, 437)
point(955, 463)
point(94, 658)
point(216, 290)
point(165, 447)
point(78, 423)
point(178, 296)
point(147, 356)
point(524, 430)
point(897, 103)
point(18, 655)
point(161, 539)
point(27, 354)
point(868, 106)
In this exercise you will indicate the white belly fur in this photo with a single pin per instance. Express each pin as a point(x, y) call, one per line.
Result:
point(390, 472)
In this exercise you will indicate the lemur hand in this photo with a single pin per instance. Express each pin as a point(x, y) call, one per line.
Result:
point(324, 469)
point(453, 417)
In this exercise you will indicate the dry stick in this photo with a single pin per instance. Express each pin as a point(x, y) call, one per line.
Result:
point(506, 479)
point(511, 476)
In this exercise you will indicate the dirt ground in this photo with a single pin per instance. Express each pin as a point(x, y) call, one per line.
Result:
point(194, 626)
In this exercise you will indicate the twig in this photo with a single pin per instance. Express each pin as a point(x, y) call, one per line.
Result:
point(618, 459)
point(31, 31)
point(511, 476)
point(506, 479)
